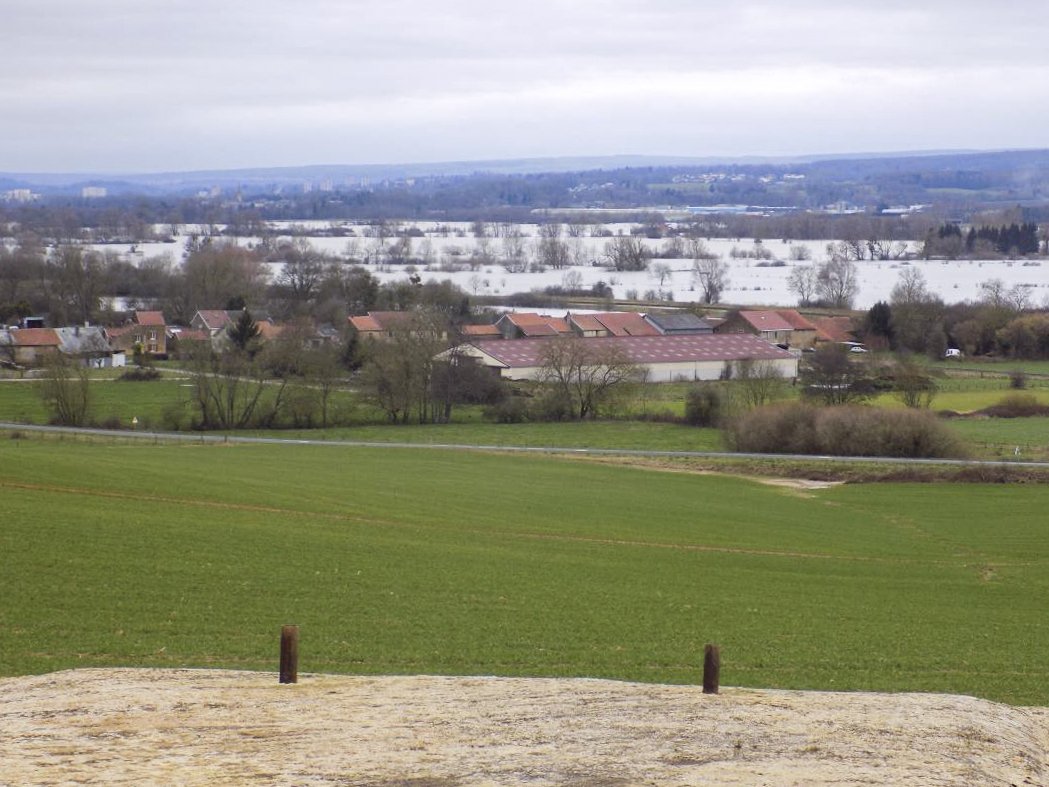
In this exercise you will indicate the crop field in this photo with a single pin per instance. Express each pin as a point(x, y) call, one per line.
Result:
point(401, 561)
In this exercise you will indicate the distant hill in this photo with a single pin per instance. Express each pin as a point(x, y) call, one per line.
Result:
point(343, 174)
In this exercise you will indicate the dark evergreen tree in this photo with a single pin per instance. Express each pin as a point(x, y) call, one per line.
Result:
point(879, 320)
point(244, 333)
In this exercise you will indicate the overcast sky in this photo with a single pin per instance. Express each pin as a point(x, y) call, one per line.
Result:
point(150, 85)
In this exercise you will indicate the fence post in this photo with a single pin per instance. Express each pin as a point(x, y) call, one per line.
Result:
point(289, 654)
point(711, 669)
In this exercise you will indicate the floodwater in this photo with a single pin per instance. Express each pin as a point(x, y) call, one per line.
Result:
point(750, 281)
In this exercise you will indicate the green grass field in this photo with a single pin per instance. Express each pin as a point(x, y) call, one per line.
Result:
point(119, 402)
point(397, 561)
point(576, 434)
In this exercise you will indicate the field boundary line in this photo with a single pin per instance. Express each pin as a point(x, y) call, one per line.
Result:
point(525, 449)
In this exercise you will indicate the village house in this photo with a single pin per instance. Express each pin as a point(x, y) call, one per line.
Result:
point(383, 325)
point(666, 358)
point(147, 330)
point(180, 341)
point(88, 345)
point(210, 320)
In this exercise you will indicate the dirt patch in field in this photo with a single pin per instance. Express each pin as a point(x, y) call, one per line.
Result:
point(211, 727)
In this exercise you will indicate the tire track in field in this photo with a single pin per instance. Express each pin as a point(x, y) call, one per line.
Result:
point(562, 537)
point(734, 550)
point(106, 493)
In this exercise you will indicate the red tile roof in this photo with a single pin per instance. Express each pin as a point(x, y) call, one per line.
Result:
point(387, 320)
point(834, 329)
point(382, 321)
point(214, 318)
point(480, 330)
point(517, 353)
point(796, 320)
point(150, 318)
point(766, 320)
point(626, 324)
point(586, 322)
point(532, 324)
point(120, 330)
point(35, 337)
point(365, 323)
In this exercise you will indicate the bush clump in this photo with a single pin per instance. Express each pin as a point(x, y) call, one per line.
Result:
point(843, 431)
point(1017, 405)
point(703, 406)
point(139, 374)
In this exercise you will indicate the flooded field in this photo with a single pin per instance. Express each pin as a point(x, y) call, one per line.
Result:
point(445, 251)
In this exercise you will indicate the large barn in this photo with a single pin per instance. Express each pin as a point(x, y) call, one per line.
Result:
point(668, 358)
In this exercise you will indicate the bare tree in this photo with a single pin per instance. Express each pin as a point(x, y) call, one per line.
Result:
point(513, 250)
point(585, 372)
point(912, 386)
point(66, 391)
point(552, 252)
point(301, 275)
point(910, 287)
point(77, 277)
point(661, 271)
point(837, 282)
point(803, 283)
point(758, 381)
point(627, 253)
point(397, 372)
point(228, 389)
point(711, 274)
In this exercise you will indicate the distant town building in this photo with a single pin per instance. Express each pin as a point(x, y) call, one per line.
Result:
point(325, 185)
point(93, 192)
point(19, 195)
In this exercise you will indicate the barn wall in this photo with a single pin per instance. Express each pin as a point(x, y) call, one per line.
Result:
point(670, 372)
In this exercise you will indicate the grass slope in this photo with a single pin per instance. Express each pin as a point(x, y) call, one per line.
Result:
point(413, 562)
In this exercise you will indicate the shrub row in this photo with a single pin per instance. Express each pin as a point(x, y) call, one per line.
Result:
point(842, 431)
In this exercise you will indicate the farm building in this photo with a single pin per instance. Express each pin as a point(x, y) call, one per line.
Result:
point(839, 330)
point(478, 332)
point(679, 324)
point(667, 358)
point(804, 331)
point(767, 324)
point(28, 346)
point(610, 324)
point(525, 325)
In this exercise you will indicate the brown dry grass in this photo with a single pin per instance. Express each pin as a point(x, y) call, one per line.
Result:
point(210, 727)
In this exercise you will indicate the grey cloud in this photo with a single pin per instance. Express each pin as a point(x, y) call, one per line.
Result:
point(145, 84)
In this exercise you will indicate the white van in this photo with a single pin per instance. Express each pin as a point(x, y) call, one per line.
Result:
point(952, 352)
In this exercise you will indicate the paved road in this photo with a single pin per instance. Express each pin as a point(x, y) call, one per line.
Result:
point(551, 449)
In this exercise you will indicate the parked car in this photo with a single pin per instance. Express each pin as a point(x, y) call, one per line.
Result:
point(952, 352)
